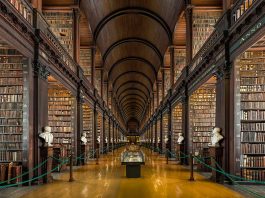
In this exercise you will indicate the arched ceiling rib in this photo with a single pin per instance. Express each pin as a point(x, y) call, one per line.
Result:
point(132, 36)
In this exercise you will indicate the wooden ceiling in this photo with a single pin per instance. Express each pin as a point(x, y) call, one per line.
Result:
point(132, 36)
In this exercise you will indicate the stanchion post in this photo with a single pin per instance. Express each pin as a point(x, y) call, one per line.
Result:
point(167, 155)
point(97, 156)
point(191, 168)
point(71, 179)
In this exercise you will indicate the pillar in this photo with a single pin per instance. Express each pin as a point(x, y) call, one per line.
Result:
point(76, 35)
point(172, 66)
point(95, 126)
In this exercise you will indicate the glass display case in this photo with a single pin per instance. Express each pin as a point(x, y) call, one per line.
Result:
point(132, 157)
point(133, 161)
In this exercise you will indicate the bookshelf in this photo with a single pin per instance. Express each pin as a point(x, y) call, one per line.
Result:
point(87, 126)
point(203, 26)
point(60, 115)
point(165, 130)
point(11, 105)
point(251, 65)
point(98, 80)
point(85, 61)
point(202, 115)
point(158, 133)
point(99, 128)
point(106, 131)
point(180, 62)
point(61, 24)
point(167, 80)
point(176, 123)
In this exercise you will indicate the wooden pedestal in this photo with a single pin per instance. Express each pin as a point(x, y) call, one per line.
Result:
point(83, 154)
point(216, 153)
point(204, 154)
point(47, 152)
point(179, 153)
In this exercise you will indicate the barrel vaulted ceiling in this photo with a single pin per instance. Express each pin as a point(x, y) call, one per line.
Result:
point(132, 36)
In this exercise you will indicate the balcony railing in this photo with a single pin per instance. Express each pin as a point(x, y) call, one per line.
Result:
point(240, 8)
point(24, 8)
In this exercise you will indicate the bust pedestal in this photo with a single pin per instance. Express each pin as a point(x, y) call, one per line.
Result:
point(47, 152)
point(179, 152)
point(217, 154)
point(83, 154)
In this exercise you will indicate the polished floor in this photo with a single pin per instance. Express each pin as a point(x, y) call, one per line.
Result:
point(108, 180)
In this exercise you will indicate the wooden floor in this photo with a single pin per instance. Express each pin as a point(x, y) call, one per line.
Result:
point(108, 180)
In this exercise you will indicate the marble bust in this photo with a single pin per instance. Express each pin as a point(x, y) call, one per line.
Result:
point(83, 139)
point(165, 138)
point(216, 137)
point(47, 135)
point(106, 140)
point(158, 139)
point(181, 138)
point(98, 139)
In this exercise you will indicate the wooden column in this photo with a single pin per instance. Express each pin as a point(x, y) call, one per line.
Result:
point(39, 107)
point(93, 72)
point(161, 131)
point(185, 127)
point(169, 143)
point(79, 125)
point(95, 126)
point(172, 66)
point(109, 135)
point(103, 132)
point(76, 35)
point(188, 15)
point(163, 83)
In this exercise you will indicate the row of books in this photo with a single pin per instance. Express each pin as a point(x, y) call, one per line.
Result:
point(252, 105)
point(258, 175)
point(11, 106)
point(253, 114)
point(11, 129)
point(10, 138)
point(253, 127)
point(10, 121)
point(61, 100)
point(252, 137)
point(253, 161)
point(252, 54)
point(206, 124)
point(11, 98)
point(13, 81)
point(253, 96)
point(11, 113)
point(180, 62)
point(10, 146)
point(11, 90)
point(253, 80)
point(11, 156)
point(252, 148)
point(15, 65)
point(201, 139)
point(62, 129)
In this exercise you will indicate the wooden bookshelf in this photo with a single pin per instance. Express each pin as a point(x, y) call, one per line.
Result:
point(203, 26)
point(11, 105)
point(202, 115)
point(88, 126)
point(85, 62)
point(165, 130)
point(61, 24)
point(60, 115)
point(180, 62)
point(176, 123)
point(251, 65)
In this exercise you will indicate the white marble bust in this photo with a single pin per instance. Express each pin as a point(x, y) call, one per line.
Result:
point(84, 139)
point(106, 140)
point(158, 139)
point(181, 138)
point(47, 135)
point(165, 138)
point(98, 139)
point(216, 137)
